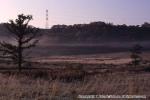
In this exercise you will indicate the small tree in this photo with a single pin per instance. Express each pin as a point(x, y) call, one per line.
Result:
point(25, 38)
point(135, 55)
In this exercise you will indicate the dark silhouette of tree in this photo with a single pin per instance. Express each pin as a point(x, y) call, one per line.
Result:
point(136, 52)
point(25, 38)
point(146, 24)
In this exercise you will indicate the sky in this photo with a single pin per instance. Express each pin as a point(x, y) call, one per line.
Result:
point(130, 12)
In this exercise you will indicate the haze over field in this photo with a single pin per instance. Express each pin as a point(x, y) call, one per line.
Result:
point(95, 37)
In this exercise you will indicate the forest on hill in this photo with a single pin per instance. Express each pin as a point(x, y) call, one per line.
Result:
point(101, 32)
point(94, 32)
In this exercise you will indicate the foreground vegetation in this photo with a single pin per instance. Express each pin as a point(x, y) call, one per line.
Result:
point(65, 81)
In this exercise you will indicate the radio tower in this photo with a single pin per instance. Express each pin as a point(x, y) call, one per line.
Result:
point(47, 24)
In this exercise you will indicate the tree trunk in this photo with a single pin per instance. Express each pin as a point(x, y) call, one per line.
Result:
point(20, 55)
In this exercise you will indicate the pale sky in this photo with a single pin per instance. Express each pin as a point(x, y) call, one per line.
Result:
point(130, 12)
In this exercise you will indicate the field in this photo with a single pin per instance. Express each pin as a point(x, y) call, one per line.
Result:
point(66, 77)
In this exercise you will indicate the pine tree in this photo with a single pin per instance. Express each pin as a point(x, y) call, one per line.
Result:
point(136, 55)
point(24, 36)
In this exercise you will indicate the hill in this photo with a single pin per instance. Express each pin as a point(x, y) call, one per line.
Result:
point(98, 32)
point(95, 37)
point(95, 32)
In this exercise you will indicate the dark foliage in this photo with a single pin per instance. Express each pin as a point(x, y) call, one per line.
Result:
point(100, 31)
point(24, 36)
point(135, 55)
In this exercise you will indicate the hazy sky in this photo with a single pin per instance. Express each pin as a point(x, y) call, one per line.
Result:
point(77, 11)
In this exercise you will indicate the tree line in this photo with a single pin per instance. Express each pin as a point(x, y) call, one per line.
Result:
point(101, 31)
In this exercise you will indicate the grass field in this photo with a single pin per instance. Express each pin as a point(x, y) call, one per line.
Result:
point(66, 77)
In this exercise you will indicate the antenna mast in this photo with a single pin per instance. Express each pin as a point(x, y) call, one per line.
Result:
point(47, 20)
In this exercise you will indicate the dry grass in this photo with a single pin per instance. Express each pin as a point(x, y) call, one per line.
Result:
point(66, 80)
point(23, 87)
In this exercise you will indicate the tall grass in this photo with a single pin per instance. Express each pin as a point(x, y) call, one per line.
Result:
point(17, 87)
